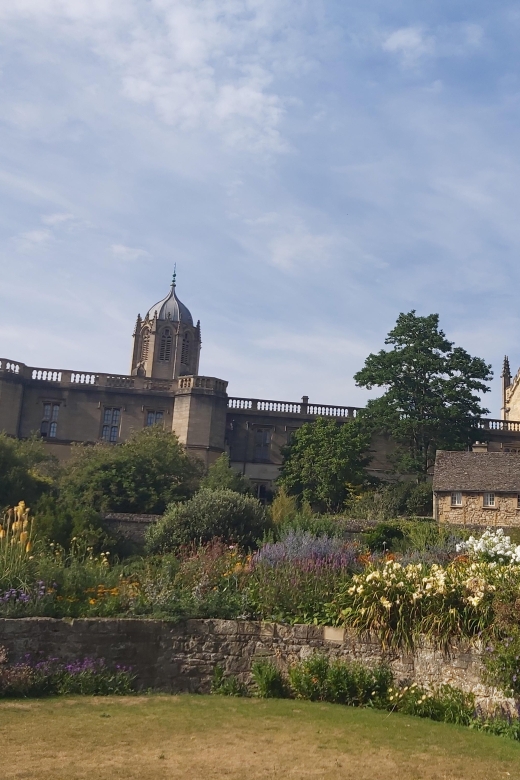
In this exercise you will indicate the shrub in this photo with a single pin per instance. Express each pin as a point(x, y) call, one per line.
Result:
point(399, 603)
point(269, 680)
point(341, 682)
point(222, 514)
point(221, 476)
point(297, 545)
point(400, 499)
point(446, 704)
point(295, 591)
point(226, 686)
point(502, 663)
point(383, 537)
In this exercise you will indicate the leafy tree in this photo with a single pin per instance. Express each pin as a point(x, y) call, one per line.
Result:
point(210, 514)
point(144, 474)
point(221, 476)
point(324, 462)
point(432, 392)
point(26, 470)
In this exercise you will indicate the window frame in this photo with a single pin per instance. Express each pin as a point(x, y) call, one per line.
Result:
point(186, 349)
point(158, 417)
point(454, 503)
point(49, 422)
point(488, 500)
point(166, 345)
point(111, 424)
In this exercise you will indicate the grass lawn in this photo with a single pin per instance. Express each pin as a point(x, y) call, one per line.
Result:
point(210, 737)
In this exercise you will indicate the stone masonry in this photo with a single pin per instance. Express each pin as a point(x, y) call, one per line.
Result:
point(181, 657)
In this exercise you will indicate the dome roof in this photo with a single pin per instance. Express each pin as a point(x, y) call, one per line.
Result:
point(171, 308)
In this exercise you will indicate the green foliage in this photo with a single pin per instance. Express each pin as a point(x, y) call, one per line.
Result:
point(284, 508)
point(383, 537)
point(269, 680)
point(221, 476)
point(342, 682)
point(144, 474)
point(446, 703)
point(402, 603)
point(324, 463)
point(26, 470)
point(294, 592)
point(502, 663)
point(88, 677)
point(432, 392)
point(387, 502)
point(221, 514)
point(226, 686)
point(207, 582)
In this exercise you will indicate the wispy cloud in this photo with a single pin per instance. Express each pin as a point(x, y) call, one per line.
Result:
point(313, 167)
point(129, 253)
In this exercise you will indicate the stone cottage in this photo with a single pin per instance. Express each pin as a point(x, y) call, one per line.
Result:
point(477, 488)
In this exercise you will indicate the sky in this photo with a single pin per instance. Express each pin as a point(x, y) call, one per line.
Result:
point(313, 168)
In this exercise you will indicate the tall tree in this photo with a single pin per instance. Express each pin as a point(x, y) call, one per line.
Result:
point(144, 474)
point(432, 397)
point(324, 461)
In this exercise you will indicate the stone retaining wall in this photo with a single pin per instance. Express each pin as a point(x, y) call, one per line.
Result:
point(181, 657)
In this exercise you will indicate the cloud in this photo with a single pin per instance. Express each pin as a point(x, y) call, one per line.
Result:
point(32, 239)
point(129, 253)
point(410, 43)
point(56, 219)
point(200, 65)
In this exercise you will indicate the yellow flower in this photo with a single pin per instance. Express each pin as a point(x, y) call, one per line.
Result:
point(92, 601)
point(23, 537)
point(28, 547)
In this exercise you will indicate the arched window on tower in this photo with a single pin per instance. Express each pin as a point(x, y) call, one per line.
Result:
point(165, 348)
point(145, 342)
point(185, 352)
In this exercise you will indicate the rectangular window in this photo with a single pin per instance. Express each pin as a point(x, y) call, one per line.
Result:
point(262, 443)
point(489, 499)
point(518, 501)
point(456, 498)
point(49, 424)
point(111, 421)
point(153, 418)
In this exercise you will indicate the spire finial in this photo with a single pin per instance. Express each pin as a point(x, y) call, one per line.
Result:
point(174, 277)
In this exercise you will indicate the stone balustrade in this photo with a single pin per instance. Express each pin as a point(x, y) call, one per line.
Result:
point(292, 407)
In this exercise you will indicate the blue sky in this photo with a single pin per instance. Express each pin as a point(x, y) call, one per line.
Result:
point(313, 168)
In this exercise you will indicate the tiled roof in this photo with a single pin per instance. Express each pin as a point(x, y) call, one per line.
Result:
point(477, 471)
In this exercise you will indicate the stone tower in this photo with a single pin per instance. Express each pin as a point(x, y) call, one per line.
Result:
point(506, 384)
point(166, 342)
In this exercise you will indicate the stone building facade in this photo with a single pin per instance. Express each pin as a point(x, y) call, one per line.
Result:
point(477, 488)
point(164, 387)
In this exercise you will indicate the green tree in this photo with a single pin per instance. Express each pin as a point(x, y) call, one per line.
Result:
point(26, 470)
point(144, 474)
point(324, 462)
point(432, 397)
point(221, 476)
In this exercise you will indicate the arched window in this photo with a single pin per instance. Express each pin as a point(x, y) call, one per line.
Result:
point(145, 341)
point(165, 349)
point(185, 352)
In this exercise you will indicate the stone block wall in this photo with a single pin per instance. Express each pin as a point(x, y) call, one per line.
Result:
point(505, 514)
point(181, 657)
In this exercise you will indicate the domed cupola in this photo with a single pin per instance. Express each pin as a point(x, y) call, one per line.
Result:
point(166, 343)
point(171, 308)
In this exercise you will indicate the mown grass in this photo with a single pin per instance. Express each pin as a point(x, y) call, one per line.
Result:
point(181, 737)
